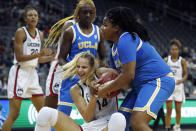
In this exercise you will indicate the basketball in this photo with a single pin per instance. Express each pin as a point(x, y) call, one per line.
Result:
point(106, 77)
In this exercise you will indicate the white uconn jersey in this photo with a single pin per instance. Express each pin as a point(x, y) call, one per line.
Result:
point(176, 67)
point(104, 107)
point(30, 46)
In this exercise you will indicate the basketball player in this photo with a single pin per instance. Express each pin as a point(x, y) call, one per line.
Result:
point(54, 75)
point(179, 68)
point(23, 78)
point(81, 37)
point(139, 63)
point(84, 36)
point(96, 112)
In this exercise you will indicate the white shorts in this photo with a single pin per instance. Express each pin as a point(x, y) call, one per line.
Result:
point(23, 83)
point(53, 79)
point(178, 95)
point(96, 125)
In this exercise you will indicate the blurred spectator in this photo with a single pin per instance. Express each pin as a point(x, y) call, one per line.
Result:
point(138, 19)
point(193, 56)
point(186, 53)
point(3, 85)
point(150, 17)
point(2, 63)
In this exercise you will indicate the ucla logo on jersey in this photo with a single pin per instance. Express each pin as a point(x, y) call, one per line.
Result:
point(79, 38)
point(95, 36)
point(87, 44)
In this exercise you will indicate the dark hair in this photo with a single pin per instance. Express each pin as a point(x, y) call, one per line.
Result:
point(123, 17)
point(175, 42)
point(28, 8)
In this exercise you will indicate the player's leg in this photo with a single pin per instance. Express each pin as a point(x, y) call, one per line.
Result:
point(178, 114)
point(52, 85)
point(141, 118)
point(48, 117)
point(14, 110)
point(127, 106)
point(168, 114)
point(51, 101)
point(117, 122)
point(38, 102)
point(151, 96)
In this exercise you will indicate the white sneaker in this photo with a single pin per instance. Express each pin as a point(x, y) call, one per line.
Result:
point(176, 128)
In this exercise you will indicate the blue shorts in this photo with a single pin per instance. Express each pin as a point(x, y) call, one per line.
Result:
point(65, 101)
point(149, 97)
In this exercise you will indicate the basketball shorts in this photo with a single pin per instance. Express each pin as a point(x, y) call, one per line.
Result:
point(23, 82)
point(96, 125)
point(53, 79)
point(149, 96)
point(178, 95)
point(65, 101)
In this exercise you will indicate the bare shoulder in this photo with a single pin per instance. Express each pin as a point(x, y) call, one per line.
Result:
point(20, 31)
point(41, 34)
point(67, 24)
point(183, 61)
point(74, 90)
point(20, 34)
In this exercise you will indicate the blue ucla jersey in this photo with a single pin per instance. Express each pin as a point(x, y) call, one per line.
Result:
point(149, 64)
point(82, 42)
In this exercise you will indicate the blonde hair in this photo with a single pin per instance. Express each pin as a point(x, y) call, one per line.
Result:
point(70, 68)
point(57, 27)
point(79, 5)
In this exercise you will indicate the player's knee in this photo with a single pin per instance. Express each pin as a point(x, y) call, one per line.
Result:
point(47, 117)
point(117, 122)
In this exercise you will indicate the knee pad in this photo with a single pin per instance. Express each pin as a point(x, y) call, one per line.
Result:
point(117, 122)
point(47, 117)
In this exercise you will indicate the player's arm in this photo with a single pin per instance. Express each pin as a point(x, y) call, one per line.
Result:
point(185, 72)
point(20, 37)
point(65, 45)
point(127, 55)
point(46, 58)
point(87, 111)
point(101, 50)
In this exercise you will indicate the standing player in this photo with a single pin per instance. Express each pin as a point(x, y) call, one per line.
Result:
point(23, 78)
point(179, 68)
point(139, 63)
point(96, 112)
point(81, 37)
point(54, 76)
point(74, 40)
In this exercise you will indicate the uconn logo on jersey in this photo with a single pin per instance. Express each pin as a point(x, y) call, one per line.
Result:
point(87, 44)
point(33, 45)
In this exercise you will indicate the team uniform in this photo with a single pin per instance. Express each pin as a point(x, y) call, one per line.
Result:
point(105, 107)
point(153, 82)
point(55, 72)
point(80, 43)
point(178, 94)
point(23, 79)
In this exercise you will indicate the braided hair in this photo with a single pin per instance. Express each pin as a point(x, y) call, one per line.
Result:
point(123, 17)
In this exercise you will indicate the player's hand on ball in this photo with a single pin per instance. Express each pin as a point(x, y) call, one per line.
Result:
point(45, 52)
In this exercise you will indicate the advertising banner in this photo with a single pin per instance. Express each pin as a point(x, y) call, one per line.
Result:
point(28, 113)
